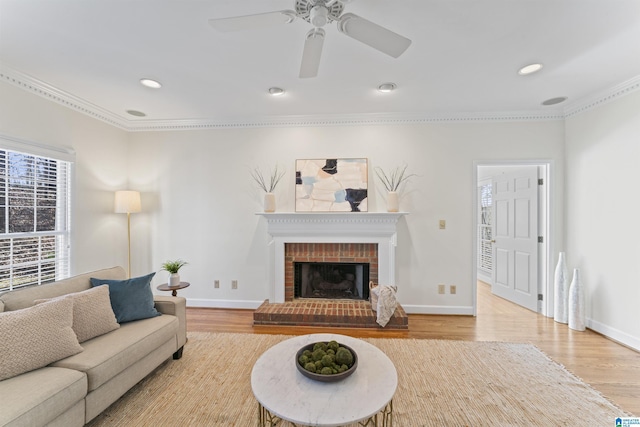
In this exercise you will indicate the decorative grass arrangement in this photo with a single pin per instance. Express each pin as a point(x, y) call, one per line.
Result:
point(393, 180)
point(269, 183)
point(173, 266)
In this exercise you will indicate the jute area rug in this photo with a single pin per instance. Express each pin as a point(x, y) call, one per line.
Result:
point(440, 383)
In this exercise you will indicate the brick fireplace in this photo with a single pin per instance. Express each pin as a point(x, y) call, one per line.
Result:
point(330, 236)
point(366, 253)
point(368, 238)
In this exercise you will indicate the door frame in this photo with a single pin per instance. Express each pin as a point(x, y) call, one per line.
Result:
point(545, 262)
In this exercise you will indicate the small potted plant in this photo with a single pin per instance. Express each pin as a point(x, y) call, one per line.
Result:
point(172, 267)
point(268, 185)
point(392, 182)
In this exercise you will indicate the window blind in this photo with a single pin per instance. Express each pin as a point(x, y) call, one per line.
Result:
point(34, 219)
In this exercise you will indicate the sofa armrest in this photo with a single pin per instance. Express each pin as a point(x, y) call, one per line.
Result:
point(174, 306)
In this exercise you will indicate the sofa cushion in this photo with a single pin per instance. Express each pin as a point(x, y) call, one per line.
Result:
point(36, 398)
point(34, 337)
point(24, 297)
point(131, 299)
point(106, 356)
point(92, 312)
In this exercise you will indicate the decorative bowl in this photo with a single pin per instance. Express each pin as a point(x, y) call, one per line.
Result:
point(327, 378)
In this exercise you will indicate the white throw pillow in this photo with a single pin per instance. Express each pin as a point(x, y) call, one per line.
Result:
point(34, 337)
point(92, 312)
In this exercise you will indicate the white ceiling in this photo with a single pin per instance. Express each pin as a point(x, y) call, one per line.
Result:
point(463, 60)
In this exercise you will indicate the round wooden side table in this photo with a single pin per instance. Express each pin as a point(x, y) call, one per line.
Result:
point(173, 289)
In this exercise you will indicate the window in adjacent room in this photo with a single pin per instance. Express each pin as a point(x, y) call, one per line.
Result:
point(34, 219)
point(485, 216)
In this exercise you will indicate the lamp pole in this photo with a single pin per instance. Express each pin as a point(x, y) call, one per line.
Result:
point(128, 202)
point(129, 244)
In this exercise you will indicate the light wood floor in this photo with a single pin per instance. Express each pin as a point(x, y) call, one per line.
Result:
point(611, 368)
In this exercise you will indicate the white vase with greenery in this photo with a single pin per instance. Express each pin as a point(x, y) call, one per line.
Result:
point(393, 202)
point(172, 267)
point(391, 182)
point(268, 184)
point(269, 202)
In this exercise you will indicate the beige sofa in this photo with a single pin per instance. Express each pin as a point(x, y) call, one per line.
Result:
point(74, 390)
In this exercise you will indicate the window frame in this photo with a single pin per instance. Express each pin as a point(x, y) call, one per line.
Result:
point(38, 269)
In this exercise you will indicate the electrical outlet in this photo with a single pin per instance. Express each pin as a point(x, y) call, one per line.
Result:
point(441, 289)
point(442, 224)
point(452, 289)
point(216, 284)
point(234, 284)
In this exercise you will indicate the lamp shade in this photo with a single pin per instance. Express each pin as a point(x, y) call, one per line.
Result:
point(127, 202)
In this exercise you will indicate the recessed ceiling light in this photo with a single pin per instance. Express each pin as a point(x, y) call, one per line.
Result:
point(154, 84)
point(136, 113)
point(530, 69)
point(276, 91)
point(554, 101)
point(387, 87)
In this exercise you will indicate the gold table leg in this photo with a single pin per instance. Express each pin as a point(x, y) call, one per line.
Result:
point(267, 419)
point(387, 417)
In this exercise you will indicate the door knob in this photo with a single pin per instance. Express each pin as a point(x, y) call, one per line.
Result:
point(493, 241)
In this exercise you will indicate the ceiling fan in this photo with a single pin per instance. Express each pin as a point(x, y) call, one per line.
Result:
point(319, 13)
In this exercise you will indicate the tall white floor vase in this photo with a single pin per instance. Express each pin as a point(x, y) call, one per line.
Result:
point(576, 303)
point(561, 290)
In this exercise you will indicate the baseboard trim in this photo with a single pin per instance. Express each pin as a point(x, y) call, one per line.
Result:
point(614, 334)
point(223, 303)
point(438, 309)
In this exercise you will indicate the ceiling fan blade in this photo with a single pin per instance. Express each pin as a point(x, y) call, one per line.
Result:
point(374, 35)
point(248, 22)
point(312, 53)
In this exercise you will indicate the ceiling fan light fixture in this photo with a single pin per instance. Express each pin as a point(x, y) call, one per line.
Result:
point(153, 84)
point(530, 69)
point(276, 91)
point(387, 87)
point(319, 16)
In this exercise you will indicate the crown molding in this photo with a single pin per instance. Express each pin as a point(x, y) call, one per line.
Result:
point(337, 120)
point(602, 97)
point(35, 86)
point(40, 88)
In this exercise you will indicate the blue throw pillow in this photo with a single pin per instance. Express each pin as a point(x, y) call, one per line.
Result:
point(131, 299)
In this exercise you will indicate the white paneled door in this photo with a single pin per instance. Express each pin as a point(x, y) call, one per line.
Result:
point(515, 236)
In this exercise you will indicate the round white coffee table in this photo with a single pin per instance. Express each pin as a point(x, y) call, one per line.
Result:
point(284, 393)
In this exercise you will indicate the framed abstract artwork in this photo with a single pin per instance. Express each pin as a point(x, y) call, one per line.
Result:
point(331, 185)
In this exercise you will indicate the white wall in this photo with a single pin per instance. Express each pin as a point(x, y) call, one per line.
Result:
point(603, 201)
point(201, 202)
point(98, 235)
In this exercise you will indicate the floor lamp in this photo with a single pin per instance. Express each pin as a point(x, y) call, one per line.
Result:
point(128, 202)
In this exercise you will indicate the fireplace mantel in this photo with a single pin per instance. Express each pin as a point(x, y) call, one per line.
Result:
point(314, 227)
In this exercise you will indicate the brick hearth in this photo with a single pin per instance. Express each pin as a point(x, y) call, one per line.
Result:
point(326, 312)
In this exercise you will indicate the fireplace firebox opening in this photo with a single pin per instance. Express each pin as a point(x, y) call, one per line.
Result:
point(341, 280)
